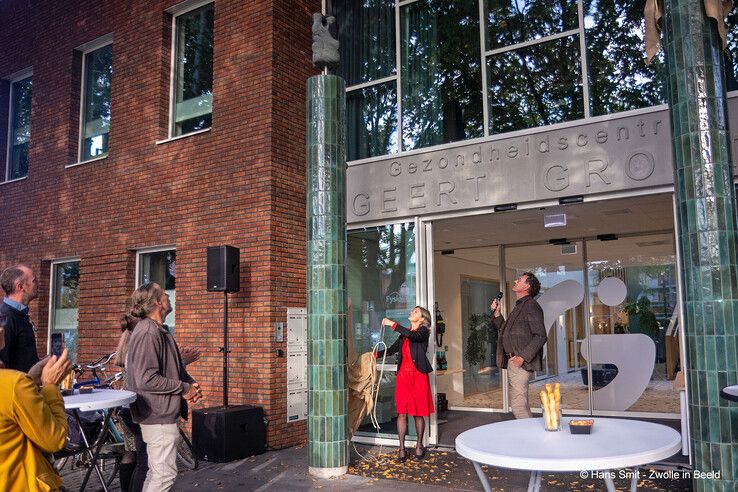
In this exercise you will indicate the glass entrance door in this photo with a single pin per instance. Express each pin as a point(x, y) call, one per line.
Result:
point(633, 302)
point(382, 282)
point(559, 268)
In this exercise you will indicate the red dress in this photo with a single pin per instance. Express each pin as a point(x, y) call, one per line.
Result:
point(412, 388)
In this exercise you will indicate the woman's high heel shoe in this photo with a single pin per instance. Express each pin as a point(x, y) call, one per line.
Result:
point(420, 456)
point(401, 455)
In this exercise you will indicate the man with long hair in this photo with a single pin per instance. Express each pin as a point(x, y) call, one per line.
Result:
point(156, 372)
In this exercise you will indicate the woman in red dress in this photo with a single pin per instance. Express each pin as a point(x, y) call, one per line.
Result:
point(412, 389)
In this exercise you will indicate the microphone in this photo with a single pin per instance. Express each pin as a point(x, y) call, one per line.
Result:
point(497, 298)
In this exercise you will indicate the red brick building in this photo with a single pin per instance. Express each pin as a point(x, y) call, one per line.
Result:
point(130, 177)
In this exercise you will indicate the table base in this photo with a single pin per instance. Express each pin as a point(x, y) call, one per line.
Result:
point(534, 484)
point(96, 446)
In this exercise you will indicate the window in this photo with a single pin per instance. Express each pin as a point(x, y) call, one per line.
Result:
point(19, 133)
point(97, 75)
point(731, 54)
point(366, 31)
point(159, 266)
point(192, 96)
point(427, 72)
point(64, 312)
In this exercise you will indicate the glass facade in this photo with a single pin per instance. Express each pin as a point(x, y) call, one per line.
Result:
point(98, 77)
point(532, 63)
point(193, 76)
point(381, 277)
point(20, 128)
point(64, 303)
point(160, 267)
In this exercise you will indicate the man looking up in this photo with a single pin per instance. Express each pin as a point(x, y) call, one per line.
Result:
point(21, 287)
point(157, 374)
point(521, 339)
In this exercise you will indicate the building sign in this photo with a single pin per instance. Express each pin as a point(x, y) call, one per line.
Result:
point(598, 157)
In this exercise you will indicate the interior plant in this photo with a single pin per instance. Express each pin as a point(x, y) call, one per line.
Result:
point(640, 312)
point(481, 334)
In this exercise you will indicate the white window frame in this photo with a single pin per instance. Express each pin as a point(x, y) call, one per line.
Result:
point(176, 11)
point(52, 288)
point(85, 49)
point(12, 80)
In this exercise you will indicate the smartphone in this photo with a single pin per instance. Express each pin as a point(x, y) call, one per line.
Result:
point(57, 344)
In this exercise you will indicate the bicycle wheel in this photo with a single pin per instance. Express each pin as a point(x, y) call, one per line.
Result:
point(186, 453)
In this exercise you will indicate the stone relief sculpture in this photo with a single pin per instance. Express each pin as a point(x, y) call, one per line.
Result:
point(325, 46)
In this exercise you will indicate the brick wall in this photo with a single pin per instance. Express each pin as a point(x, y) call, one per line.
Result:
point(241, 183)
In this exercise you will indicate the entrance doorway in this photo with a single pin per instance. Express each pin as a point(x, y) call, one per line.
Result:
point(610, 267)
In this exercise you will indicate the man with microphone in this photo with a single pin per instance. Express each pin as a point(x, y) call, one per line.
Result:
point(520, 341)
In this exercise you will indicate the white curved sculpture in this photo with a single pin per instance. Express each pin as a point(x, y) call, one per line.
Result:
point(612, 291)
point(559, 299)
point(634, 354)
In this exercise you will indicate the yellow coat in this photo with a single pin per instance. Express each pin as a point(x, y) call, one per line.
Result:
point(32, 422)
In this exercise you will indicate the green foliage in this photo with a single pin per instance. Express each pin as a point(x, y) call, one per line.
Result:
point(481, 333)
point(640, 311)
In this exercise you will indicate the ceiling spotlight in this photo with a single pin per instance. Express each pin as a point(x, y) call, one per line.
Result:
point(571, 199)
point(554, 220)
point(506, 207)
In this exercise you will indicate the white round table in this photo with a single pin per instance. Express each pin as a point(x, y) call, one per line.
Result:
point(99, 399)
point(730, 392)
point(525, 445)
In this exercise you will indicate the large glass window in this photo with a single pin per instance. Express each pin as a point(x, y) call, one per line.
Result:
point(381, 276)
point(98, 75)
point(373, 113)
point(441, 73)
point(193, 71)
point(64, 303)
point(366, 31)
point(535, 86)
point(160, 267)
point(469, 70)
point(619, 79)
point(20, 128)
point(511, 22)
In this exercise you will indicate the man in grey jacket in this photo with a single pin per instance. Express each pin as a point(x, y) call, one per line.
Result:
point(520, 341)
point(156, 373)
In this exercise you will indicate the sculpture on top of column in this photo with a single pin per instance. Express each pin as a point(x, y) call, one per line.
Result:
point(325, 46)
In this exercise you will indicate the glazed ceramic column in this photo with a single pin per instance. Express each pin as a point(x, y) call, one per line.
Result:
point(707, 234)
point(326, 287)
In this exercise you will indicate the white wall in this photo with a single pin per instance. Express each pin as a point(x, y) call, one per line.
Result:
point(448, 272)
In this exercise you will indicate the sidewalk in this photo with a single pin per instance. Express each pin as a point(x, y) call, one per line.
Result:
point(287, 471)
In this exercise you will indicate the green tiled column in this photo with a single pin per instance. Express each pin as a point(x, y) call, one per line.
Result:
point(707, 235)
point(326, 286)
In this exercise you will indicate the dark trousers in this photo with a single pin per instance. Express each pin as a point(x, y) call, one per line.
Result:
point(132, 478)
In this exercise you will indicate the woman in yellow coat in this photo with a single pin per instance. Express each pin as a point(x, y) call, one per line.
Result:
point(32, 423)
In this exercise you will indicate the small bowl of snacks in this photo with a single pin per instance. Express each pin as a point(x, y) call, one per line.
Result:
point(86, 389)
point(67, 392)
point(580, 426)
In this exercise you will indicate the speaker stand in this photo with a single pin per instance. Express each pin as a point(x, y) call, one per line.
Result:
point(225, 349)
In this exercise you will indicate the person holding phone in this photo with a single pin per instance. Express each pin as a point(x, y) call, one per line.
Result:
point(520, 341)
point(32, 423)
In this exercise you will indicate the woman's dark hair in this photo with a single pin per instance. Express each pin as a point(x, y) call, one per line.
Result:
point(533, 283)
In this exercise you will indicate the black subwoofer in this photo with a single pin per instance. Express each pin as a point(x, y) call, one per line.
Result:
point(227, 434)
point(223, 269)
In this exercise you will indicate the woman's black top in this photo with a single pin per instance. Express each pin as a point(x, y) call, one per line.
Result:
point(418, 347)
